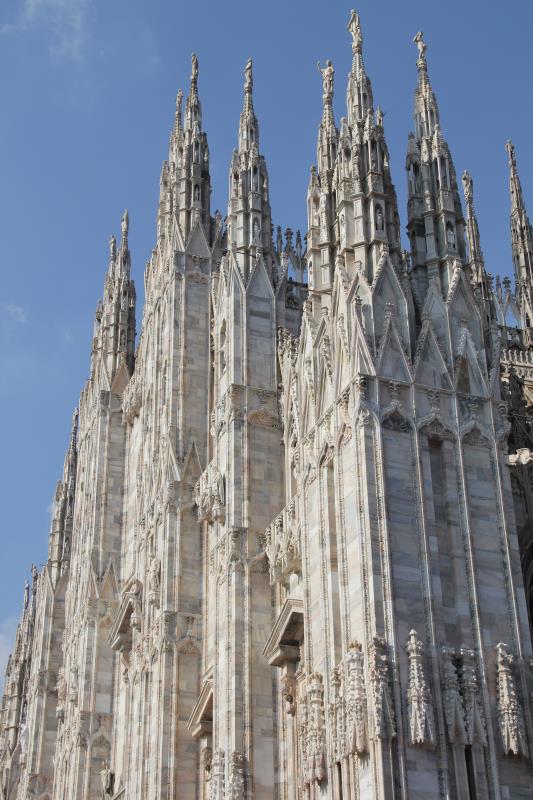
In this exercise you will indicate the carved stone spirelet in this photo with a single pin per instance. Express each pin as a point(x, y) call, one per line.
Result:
point(420, 710)
point(216, 785)
point(384, 724)
point(474, 717)
point(355, 700)
point(454, 713)
point(510, 718)
point(312, 730)
point(235, 786)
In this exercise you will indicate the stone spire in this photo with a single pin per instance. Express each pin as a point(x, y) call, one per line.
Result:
point(521, 230)
point(352, 207)
point(193, 109)
point(435, 221)
point(60, 539)
point(522, 246)
point(477, 262)
point(114, 329)
point(359, 98)
point(185, 185)
point(426, 107)
point(248, 127)
point(249, 216)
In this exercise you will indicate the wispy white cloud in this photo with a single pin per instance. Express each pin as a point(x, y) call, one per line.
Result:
point(16, 313)
point(7, 638)
point(65, 22)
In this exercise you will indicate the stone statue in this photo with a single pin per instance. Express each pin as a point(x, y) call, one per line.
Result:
point(61, 687)
point(450, 237)
point(154, 576)
point(255, 231)
point(248, 76)
point(328, 73)
point(194, 67)
point(125, 224)
point(26, 595)
point(418, 39)
point(468, 186)
point(354, 28)
point(108, 780)
point(379, 218)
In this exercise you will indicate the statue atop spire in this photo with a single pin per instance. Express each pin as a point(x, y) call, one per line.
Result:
point(418, 39)
point(125, 224)
point(179, 103)
point(328, 73)
point(248, 77)
point(354, 27)
point(192, 107)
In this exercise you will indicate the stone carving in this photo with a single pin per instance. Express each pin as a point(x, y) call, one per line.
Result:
point(235, 786)
point(311, 730)
point(154, 581)
point(384, 724)
point(510, 719)
point(453, 702)
point(108, 781)
point(216, 786)
point(420, 710)
point(210, 495)
point(474, 716)
point(327, 73)
point(355, 700)
point(289, 688)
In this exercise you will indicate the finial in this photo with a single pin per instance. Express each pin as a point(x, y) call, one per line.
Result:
point(328, 73)
point(112, 248)
point(468, 186)
point(125, 224)
point(509, 146)
point(354, 27)
point(179, 103)
point(248, 77)
point(418, 39)
point(194, 68)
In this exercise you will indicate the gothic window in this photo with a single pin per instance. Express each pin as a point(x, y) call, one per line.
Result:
point(255, 180)
point(235, 184)
point(251, 134)
point(196, 153)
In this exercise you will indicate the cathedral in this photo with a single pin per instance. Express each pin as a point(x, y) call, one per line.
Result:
point(291, 549)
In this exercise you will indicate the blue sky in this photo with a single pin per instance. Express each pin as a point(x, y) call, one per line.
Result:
point(87, 103)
